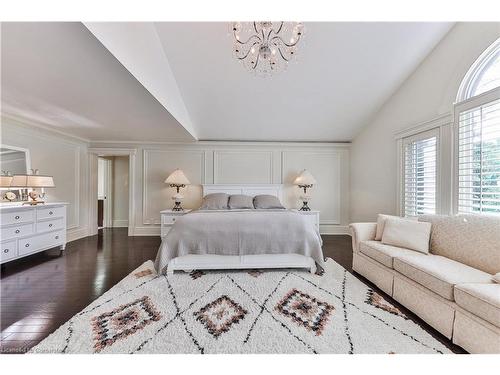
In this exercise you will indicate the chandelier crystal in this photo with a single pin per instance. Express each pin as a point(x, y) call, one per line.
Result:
point(266, 47)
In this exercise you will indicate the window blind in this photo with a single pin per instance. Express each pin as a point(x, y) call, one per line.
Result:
point(420, 175)
point(479, 159)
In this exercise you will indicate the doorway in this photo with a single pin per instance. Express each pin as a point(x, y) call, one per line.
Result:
point(113, 191)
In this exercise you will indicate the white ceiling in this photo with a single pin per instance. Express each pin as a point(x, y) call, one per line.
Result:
point(60, 75)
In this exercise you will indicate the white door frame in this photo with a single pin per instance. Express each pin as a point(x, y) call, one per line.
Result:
point(107, 221)
point(94, 153)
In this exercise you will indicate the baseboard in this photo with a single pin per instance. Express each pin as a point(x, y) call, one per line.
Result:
point(334, 229)
point(120, 224)
point(328, 229)
point(76, 233)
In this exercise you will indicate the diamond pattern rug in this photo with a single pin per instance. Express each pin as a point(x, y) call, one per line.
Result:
point(271, 311)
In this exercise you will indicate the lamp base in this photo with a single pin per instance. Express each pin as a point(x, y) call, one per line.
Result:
point(33, 203)
point(177, 207)
point(305, 207)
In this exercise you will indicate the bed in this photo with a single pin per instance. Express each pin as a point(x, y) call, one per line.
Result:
point(240, 239)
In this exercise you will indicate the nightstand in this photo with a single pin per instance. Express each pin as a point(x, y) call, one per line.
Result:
point(168, 218)
point(312, 215)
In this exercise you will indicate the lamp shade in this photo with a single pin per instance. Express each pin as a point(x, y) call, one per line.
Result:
point(177, 177)
point(5, 181)
point(305, 178)
point(32, 181)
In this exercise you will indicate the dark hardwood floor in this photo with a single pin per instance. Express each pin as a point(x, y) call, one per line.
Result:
point(41, 292)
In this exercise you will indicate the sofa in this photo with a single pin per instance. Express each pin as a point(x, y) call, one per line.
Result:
point(451, 287)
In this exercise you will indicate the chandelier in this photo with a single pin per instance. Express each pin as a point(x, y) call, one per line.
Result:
point(266, 47)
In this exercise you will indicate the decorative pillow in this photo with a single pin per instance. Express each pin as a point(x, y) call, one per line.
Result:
point(240, 201)
point(496, 277)
point(381, 218)
point(410, 234)
point(267, 201)
point(215, 201)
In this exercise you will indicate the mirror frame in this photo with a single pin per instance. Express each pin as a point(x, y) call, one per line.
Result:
point(26, 153)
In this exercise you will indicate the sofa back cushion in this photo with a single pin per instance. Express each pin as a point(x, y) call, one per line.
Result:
point(409, 234)
point(473, 240)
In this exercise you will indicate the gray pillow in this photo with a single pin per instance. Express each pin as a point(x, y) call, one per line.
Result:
point(266, 202)
point(240, 201)
point(215, 201)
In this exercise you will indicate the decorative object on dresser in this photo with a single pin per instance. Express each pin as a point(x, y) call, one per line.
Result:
point(311, 215)
point(177, 179)
point(305, 180)
point(168, 218)
point(28, 230)
point(33, 181)
point(5, 182)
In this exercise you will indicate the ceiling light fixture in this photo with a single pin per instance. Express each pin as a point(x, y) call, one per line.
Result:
point(266, 47)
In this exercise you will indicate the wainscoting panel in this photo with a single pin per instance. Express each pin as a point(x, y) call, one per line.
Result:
point(326, 169)
point(158, 164)
point(243, 167)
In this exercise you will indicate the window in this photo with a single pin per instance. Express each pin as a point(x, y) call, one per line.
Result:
point(477, 119)
point(479, 159)
point(420, 174)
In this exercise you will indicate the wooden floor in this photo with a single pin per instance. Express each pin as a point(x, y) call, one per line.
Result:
point(41, 292)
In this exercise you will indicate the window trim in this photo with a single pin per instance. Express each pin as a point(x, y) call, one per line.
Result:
point(402, 142)
point(475, 101)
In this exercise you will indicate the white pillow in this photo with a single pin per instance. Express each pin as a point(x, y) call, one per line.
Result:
point(381, 218)
point(409, 234)
point(496, 277)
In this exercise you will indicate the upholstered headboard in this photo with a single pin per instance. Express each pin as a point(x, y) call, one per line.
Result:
point(251, 189)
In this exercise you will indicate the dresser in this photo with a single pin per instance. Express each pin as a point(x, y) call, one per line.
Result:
point(27, 230)
point(168, 218)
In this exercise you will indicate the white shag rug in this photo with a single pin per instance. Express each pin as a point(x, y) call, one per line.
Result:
point(286, 311)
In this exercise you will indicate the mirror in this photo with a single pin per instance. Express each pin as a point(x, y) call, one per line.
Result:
point(14, 160)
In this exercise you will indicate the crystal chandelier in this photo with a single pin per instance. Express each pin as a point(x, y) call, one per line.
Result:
point(266, 47)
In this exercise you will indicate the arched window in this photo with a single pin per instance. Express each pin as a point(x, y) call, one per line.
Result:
point(477, 120)
point(483, 75)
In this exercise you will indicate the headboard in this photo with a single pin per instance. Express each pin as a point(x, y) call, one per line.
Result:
point(250, 189)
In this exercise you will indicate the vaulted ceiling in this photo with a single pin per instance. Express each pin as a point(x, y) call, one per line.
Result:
point(179, 81)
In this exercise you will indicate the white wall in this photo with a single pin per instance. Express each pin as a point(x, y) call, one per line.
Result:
point(120, 191)
point(62, 157)
point(428, 93)
point(238, 162)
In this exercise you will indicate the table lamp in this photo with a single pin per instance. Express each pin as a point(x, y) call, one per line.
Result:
point(305, 181)
point(178, 180)
point(32, 181)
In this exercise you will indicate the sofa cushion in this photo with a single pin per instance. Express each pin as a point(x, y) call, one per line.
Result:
point(382, 253)
point(409, 234)
point(482, 300)
point(381, 218)
point(468, 239)
point(438, 273)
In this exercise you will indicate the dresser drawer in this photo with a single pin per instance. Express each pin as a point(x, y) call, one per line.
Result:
point(50, 212)
point(14, 217)
point(29, 245)
point(14, 231)
point(8, 250)
point(48, 225)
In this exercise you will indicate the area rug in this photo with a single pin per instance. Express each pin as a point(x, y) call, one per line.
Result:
point(286, 311)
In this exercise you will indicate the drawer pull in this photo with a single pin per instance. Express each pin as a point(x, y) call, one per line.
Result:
point(57, 237)
point(50, 225)
point(17, 217)
point(51, 213)
point(27, 245)
point(6, 251)
point(17, 230)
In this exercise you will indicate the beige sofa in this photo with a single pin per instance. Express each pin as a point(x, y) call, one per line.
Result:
point(450, 288)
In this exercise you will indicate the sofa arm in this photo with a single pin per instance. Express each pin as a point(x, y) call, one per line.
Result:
point(362, 232)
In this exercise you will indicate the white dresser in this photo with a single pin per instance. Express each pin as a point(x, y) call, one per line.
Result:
point(312, 215)
point(26, 230)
